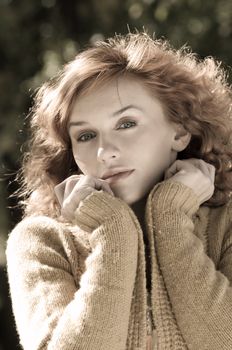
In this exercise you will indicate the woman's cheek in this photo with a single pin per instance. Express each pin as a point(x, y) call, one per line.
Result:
point(82, 153)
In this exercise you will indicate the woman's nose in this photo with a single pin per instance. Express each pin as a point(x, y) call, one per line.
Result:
point(107, 152)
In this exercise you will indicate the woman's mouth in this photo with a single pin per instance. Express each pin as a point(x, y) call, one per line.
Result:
point(119, 176)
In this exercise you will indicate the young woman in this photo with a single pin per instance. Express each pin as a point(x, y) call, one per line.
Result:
point(126, 241)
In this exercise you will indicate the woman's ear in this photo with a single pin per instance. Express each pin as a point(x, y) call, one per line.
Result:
point(181, 138)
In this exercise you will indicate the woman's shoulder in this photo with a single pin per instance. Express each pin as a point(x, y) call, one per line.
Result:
point(43, 231)
point(35, 226)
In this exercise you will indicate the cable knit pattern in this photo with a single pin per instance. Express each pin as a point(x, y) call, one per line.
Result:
point(83, 285)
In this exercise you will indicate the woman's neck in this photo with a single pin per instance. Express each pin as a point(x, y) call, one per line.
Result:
point(139, 210)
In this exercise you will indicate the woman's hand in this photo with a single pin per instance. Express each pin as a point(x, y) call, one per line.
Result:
point(194, 173)
point(75, 189)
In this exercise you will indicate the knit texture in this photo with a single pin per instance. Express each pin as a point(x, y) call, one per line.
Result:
point(83, 285)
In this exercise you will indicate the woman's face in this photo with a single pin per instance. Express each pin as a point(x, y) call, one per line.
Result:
point(120, 127)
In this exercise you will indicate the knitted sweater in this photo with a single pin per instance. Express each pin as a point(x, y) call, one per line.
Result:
point(83, 286)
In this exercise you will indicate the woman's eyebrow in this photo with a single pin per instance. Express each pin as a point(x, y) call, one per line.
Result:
point(123, 109)
point(76, 124)
point(120, 111)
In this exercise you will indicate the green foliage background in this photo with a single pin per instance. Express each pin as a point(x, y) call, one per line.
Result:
point(37, 37)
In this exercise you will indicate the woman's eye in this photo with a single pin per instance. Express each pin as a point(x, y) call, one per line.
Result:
point(89, 136)
point(127, 125)
point(85, 137)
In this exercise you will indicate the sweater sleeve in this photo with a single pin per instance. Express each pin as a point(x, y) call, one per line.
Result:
point(200, 294)
point(51, 311)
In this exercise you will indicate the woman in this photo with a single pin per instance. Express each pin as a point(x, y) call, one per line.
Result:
point(126, 240)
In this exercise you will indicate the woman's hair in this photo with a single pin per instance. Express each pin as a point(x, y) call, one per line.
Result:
point(194, 93)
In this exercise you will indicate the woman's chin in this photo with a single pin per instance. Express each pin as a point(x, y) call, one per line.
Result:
point(130, 198)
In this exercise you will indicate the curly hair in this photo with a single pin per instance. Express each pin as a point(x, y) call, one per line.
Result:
point(194, 92)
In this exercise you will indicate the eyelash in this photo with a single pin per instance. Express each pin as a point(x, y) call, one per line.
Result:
point(125, 122)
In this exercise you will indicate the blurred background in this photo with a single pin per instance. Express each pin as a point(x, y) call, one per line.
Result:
point(37, 37)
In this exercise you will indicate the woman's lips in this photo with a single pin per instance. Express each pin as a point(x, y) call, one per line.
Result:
point(118, 176)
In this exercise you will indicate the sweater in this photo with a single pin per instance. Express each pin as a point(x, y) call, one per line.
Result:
point(82, 285)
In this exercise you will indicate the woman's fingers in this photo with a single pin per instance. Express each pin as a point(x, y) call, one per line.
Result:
point(103, 185)
point(75, 189)
point(60, 188)
point(177, 166)
point(59, 192)
point(186, 164)
point(194, 173)
point(72, 201)
point(207, 168)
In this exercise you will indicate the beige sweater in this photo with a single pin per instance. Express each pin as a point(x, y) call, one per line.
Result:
point(83, 286)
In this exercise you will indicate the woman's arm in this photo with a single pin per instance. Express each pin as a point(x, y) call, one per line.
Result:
point(51, 312)
point(200, 294)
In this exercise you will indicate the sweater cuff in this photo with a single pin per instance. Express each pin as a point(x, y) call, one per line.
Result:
point(174, 196)
point(97, 208)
